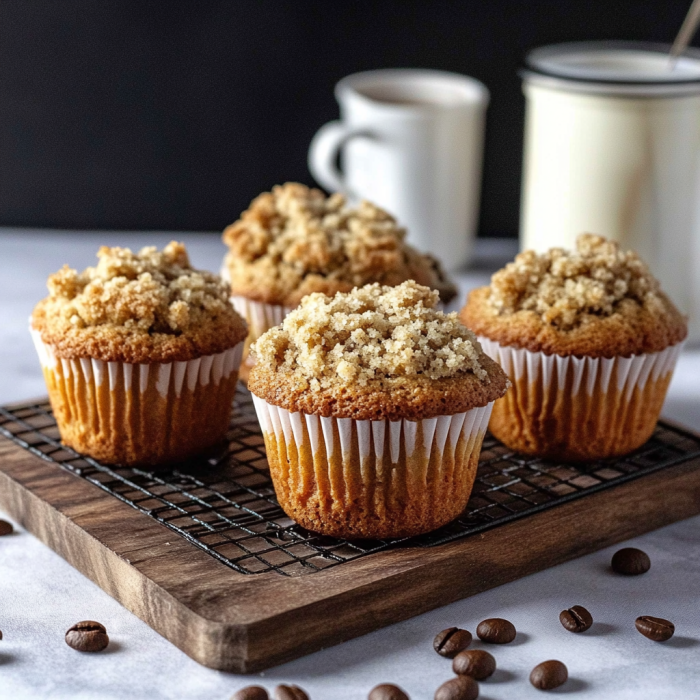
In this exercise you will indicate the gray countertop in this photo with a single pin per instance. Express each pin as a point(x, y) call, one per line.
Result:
point(41, 595)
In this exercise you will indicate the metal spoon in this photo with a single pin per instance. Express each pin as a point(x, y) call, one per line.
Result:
point(686, 32)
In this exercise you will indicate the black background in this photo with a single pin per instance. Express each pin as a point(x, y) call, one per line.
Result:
point(173, 115)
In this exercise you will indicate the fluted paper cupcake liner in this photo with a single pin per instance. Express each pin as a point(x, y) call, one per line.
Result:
point(260, 317)
point(140, 413)
point(356, 478)
point(579, 407)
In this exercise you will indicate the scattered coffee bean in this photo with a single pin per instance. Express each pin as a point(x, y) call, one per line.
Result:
point(290, 692)
point(451, 641)
point(496, 630)
point(630, 562)
point(576, 619)
point(549, 675)
point(5, 528)
point(0, 634)
point(655, 628)
point(87, 636)
point(251, 692)
point(460, 688)
point(477, 663)
point(387, 691)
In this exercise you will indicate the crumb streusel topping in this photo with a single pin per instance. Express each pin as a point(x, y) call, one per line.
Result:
point(369, 335)
point(150, 290)
point(294, 241)
point(150, 297)
point(597, 301)
point(563, 287)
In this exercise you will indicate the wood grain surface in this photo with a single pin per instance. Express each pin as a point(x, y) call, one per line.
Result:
point(246, 623)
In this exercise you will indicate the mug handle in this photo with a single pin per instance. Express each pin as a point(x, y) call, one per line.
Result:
point(323, 153)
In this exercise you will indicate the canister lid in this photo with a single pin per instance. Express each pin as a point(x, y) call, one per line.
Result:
point(615, 66)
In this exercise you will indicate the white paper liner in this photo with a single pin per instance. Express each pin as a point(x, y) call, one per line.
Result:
point(202, 370)
point(441, 433)
point(261, 317)
point(623, 373)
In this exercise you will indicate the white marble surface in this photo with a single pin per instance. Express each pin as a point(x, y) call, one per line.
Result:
point(41, 595)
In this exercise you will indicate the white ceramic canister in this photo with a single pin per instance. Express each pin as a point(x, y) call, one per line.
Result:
point(612, 146)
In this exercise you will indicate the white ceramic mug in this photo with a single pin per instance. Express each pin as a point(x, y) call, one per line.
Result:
point(410, 141)
point(612, 146)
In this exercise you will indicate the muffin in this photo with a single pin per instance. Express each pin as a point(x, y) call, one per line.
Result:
point(294, 241)
point(589, 342)
point(140, 355)
point(373, 406)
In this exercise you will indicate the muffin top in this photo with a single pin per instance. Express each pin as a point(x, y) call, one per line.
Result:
point(596, 301)
point(143, 307)
point(294, 241)
point(377, 352)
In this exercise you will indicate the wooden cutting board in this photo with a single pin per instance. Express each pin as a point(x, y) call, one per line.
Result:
point(240, 622)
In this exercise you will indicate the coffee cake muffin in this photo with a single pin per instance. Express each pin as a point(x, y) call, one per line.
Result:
point(588, 340)
point(373, 405)
point(294, 241)
point(140, 355)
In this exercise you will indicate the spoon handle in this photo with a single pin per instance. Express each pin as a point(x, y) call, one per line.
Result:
point(688, 28)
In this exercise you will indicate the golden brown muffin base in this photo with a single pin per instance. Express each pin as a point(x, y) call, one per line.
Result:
point(371, 498)
point(635, 332)
point(555, 424)
point(118, 344)
point(413, 398)
point(120, 426)
point(260, 283)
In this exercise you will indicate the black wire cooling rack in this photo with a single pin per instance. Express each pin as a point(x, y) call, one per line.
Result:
point(225, 503)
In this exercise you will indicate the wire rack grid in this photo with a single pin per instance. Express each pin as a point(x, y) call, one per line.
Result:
point(224, 503)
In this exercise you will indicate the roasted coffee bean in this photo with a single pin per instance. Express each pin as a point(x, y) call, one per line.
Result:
point(576, 619)
point(290, 692)
point(5, 528)
point(496, 630)
point(549, 675)
point(87, 636)
point(387, 691)
point(0, 634)
point(251, 692)
point(477, 663)
point(460, 688)
point(630, 562)
point(655, 628)
point(451, 641)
